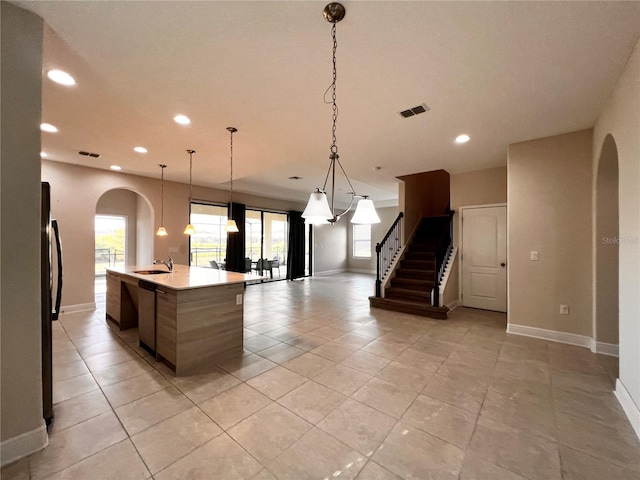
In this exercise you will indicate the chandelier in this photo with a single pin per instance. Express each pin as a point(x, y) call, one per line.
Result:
point(318, 210)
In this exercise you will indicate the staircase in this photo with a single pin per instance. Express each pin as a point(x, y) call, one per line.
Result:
point(415, 275)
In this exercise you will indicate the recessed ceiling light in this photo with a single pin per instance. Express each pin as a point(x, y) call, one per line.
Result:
point(117, 168)
point(462, 138)
point(47, 127)
point(182, 119)
point(43, 154)
point(140, 150)
point(63, 78)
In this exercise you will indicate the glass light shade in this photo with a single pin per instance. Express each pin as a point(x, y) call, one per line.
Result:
point(189, 230)
point(231, 227)
point(162, 232)
point(317, 210)
point(365, 212)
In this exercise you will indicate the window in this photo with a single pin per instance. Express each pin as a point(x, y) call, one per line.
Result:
point(210, 240)
point(362, 241)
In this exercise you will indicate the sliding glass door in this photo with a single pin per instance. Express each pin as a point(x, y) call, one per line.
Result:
point(266, 242)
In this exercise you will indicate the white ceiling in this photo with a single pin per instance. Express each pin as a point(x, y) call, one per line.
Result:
point(502, 72)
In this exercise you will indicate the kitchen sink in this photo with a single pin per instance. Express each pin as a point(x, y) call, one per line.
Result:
point(150, 272)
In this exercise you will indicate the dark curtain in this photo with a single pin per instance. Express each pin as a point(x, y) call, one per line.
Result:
point(295, 256)
point(236, 241)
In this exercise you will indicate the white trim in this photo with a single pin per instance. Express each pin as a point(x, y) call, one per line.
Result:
point(604, 348)
point(329, 272)
point(362, 270)
point(551, 335)
point(628, 405)
point(81, 307)
point(15, 448)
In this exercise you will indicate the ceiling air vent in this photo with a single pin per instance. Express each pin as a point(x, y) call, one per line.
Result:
point(414, 111)
point(88, 154)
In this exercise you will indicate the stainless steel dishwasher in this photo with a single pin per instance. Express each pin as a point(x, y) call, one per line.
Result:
point(147, 315)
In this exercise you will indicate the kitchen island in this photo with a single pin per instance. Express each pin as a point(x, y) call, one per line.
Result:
point(188, 318)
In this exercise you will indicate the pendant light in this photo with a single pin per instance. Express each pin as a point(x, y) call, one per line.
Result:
point(162, 232)
point(318, 210)
point(231, 223)
point(189, 230)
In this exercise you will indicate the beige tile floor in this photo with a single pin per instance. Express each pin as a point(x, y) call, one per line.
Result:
point(329, 389)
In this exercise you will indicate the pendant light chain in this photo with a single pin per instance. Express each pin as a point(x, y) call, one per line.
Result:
point(334, 147)
point(162, 195)
point(231, 130)
point(190, 230)
point(231, 150)
point(191, 152)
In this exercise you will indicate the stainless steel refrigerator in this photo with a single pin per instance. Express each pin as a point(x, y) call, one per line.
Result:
point(50, 239)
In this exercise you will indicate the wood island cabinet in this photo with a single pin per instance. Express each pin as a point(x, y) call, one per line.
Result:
point(193, 319)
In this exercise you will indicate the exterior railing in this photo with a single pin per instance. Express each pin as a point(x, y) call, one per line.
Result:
point(386, 251)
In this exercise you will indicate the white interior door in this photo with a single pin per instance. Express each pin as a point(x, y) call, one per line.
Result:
point(484, 258)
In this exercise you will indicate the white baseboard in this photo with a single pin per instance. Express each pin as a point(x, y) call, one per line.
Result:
point(81, 307)
point(628, 405)
point(362, 270)
point(563, 337)
point(604, 348)
point(15, 448)
point(329, 272)
point(551, 335)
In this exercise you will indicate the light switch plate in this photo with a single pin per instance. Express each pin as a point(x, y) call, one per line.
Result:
point(534, 256)
point(564, 309)
point(239, 299)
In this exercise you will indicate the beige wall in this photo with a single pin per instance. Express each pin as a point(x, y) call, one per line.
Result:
point(621, 119)
point(549, 211)
point(423, 195)
point(20, 193)
point(480, 187)
point(606, 245)
point(76, 218)
point(378, 230)
point(330, 247)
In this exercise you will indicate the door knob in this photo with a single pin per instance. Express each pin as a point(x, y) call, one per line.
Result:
point(503, 264)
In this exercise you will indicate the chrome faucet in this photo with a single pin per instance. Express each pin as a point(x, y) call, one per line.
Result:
point(168, 264)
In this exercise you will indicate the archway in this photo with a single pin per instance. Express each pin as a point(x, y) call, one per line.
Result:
point(136, 245)
point(607, 247)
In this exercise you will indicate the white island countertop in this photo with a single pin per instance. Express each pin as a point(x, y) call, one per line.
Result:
point(184, 277)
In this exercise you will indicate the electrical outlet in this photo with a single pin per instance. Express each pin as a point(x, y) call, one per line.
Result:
point(564, 309)
point(239, 299)
point(534, 256)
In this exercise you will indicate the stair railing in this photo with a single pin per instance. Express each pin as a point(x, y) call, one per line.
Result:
point(386, 251)
point(443, 252)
